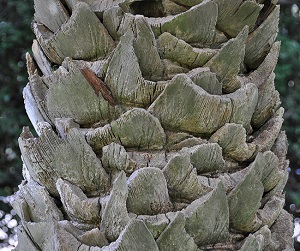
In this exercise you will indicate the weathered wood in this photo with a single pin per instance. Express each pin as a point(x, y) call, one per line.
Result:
point(175, 95)
point(154, 158)
point(64, 96)
point(148, 192)
point(246, 14)
point(252, 243)
point(174, 138)
point(146, 50)
point(186, 25)
point(268, 243)
point(271, 210)
point(126, 24)
point(125, 80)
point(244, 199)
point(112, 18)
point(92, 39)
point(265, 69)
point(207, 218)
point(188, 3)
point(135, 237)
point(174, 236)
point(49, 236)
point(189, 142)
point(265, 137)
point(25, 241)
point(232, 138)
point(280, 148)
point(173, 8)
point(270, 170)
point(207, 80)
point(50, 13)
point(182, 179)
point(39, 90)
point(172, 48)
point(233, 51)
point(93, 238)
point(268, 102)
point(115, 158)
point(21, 207)
point(258, 45)
point(171, 69)
point(31, 108)
point(76, 204)
point(42, 61)
point(135, 128)
point(30, 65)
point(46, 156)
point(155, 223)
point(98, 85)
point(195, 116)
point(227, 8)
point(40, 206)
point(114, 215)
point(101, 6)
point(244, 102)
point(206, 158)
point(278, 189)
point(281, 230)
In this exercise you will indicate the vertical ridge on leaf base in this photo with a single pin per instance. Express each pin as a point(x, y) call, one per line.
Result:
point(260, 41)
point(135, 237)
point(76, 204)
point(174, 236)
point(50, 13)
point(244, 199)
point(35, 204)
point(232, 139)
point(114, 215)
point(135, 128)
point(50, 157)
point(186, 25)
point(148, 192)
point(146, 50)
point(182, 179)
point(246, 14)
point(126, 81)
point(207, 218)
point(172, 48)
point(233, 51)
point(82, 24)
point(64, 96)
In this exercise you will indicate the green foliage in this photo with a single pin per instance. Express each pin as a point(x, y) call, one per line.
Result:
point(288, 84)
point(288, 77)
point(16, 38)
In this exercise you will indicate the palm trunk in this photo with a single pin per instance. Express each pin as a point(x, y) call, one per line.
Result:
point(159, 128)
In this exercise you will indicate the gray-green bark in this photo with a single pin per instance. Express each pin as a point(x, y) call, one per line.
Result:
point(159, 128)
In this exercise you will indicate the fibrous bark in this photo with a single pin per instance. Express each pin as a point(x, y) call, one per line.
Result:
point(159, 128)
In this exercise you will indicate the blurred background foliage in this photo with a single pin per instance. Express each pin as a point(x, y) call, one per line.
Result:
point(288, 84)
point(15, 40)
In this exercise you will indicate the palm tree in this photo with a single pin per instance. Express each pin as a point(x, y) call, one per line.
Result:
point(159, 128)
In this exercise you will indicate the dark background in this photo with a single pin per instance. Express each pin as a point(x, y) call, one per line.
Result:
point(16, 39)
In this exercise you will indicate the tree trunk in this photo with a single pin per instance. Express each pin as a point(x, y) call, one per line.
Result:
point(159, 128)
